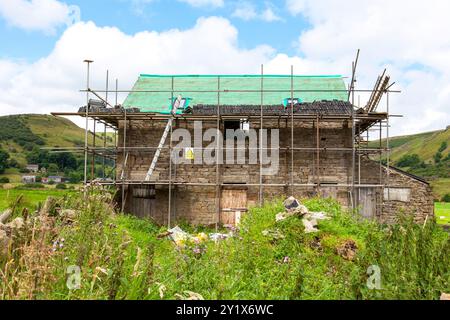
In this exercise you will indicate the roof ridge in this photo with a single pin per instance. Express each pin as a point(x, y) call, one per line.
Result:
point(144, 75)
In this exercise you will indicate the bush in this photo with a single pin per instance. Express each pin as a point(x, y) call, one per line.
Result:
point(31, 186)
point(409, 160)
point(61, 186)
point(4, 180)
point(446, 198)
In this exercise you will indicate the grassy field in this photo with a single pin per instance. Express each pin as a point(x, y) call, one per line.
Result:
point(442, 212)
point(31, 198)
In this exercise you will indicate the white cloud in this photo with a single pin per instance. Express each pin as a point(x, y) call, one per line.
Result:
point(204, 3)
point(406, 36)
point(40, 15)
point(269, 15)
point(247, 11)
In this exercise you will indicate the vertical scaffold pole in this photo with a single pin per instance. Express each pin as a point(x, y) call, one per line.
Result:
point(292, 133)
point(261, 200)
point(88, 63)
point(169, 210)
point(218, 159)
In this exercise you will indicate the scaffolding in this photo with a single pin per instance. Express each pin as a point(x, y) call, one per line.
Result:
point(362, 124)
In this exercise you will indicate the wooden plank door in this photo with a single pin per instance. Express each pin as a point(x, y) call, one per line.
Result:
point(233, 204)
point(367, 202)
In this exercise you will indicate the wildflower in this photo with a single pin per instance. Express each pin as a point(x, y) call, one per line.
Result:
point(286, 260)
point(202, 237)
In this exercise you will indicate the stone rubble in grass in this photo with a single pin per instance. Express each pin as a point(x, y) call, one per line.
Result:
point(445, 296)
point(4, 242)
point(347, 250)
point(310, 225)
point(189, 295)
point(295, 208)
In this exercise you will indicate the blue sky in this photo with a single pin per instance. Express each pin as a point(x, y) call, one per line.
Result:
point(159, 15)
point(42, 47)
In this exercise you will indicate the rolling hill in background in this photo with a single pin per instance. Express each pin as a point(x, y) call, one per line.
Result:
point(423, 144)
point(19, 134)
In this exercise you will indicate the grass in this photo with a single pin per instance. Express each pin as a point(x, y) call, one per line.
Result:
point(121, 257)
point(31, 198)
point(442, 212)
point(440, 187)
point(12, 174)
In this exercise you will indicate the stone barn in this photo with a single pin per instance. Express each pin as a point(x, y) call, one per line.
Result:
point(204, 149)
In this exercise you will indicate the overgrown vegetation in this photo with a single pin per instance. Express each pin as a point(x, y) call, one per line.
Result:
point(121, 257)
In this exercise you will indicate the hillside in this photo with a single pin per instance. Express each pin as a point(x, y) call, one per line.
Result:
point(20, 133)
point(424, 144)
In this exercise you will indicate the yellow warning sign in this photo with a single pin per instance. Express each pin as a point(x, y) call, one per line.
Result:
point(189, 153)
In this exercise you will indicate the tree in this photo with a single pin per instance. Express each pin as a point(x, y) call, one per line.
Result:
point(52, 168)
point(443, 147)
point(437, 157)
point(4, 156)
point(446, 198)
point(63, 160)
point(409, 160)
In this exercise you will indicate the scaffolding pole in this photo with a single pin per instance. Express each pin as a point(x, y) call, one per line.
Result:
point(169, 213)
point(218, 151)
point(261, 199)
point(291, 173)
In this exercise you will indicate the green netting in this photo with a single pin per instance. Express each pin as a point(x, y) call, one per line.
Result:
point(328, 88)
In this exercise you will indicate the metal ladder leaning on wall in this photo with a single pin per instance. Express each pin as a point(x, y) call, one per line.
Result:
point(176, 104)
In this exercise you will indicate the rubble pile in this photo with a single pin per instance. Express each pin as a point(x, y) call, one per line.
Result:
point(295, 208)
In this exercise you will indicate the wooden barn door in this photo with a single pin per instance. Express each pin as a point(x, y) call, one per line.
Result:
point(233, 205)
point(367, 202)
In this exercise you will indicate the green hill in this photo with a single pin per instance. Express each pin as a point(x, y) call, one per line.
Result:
point(22, 134)
point(424, 144)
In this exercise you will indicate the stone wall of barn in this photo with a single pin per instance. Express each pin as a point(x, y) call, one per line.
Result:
point(197, 204)
point(405, 193)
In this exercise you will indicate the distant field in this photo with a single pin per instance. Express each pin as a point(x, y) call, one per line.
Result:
point(442, 212)
point(31, 198)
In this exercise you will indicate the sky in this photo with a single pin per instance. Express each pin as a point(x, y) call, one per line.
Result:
point(44, 42)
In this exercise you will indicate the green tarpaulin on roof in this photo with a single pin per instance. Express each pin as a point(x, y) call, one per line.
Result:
point(328, 88)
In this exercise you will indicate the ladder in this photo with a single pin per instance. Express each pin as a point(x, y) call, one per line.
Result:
point(176, 104)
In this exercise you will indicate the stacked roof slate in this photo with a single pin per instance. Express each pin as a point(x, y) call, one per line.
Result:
point(334, 107)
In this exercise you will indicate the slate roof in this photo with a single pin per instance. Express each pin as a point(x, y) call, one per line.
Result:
point(334, 107)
